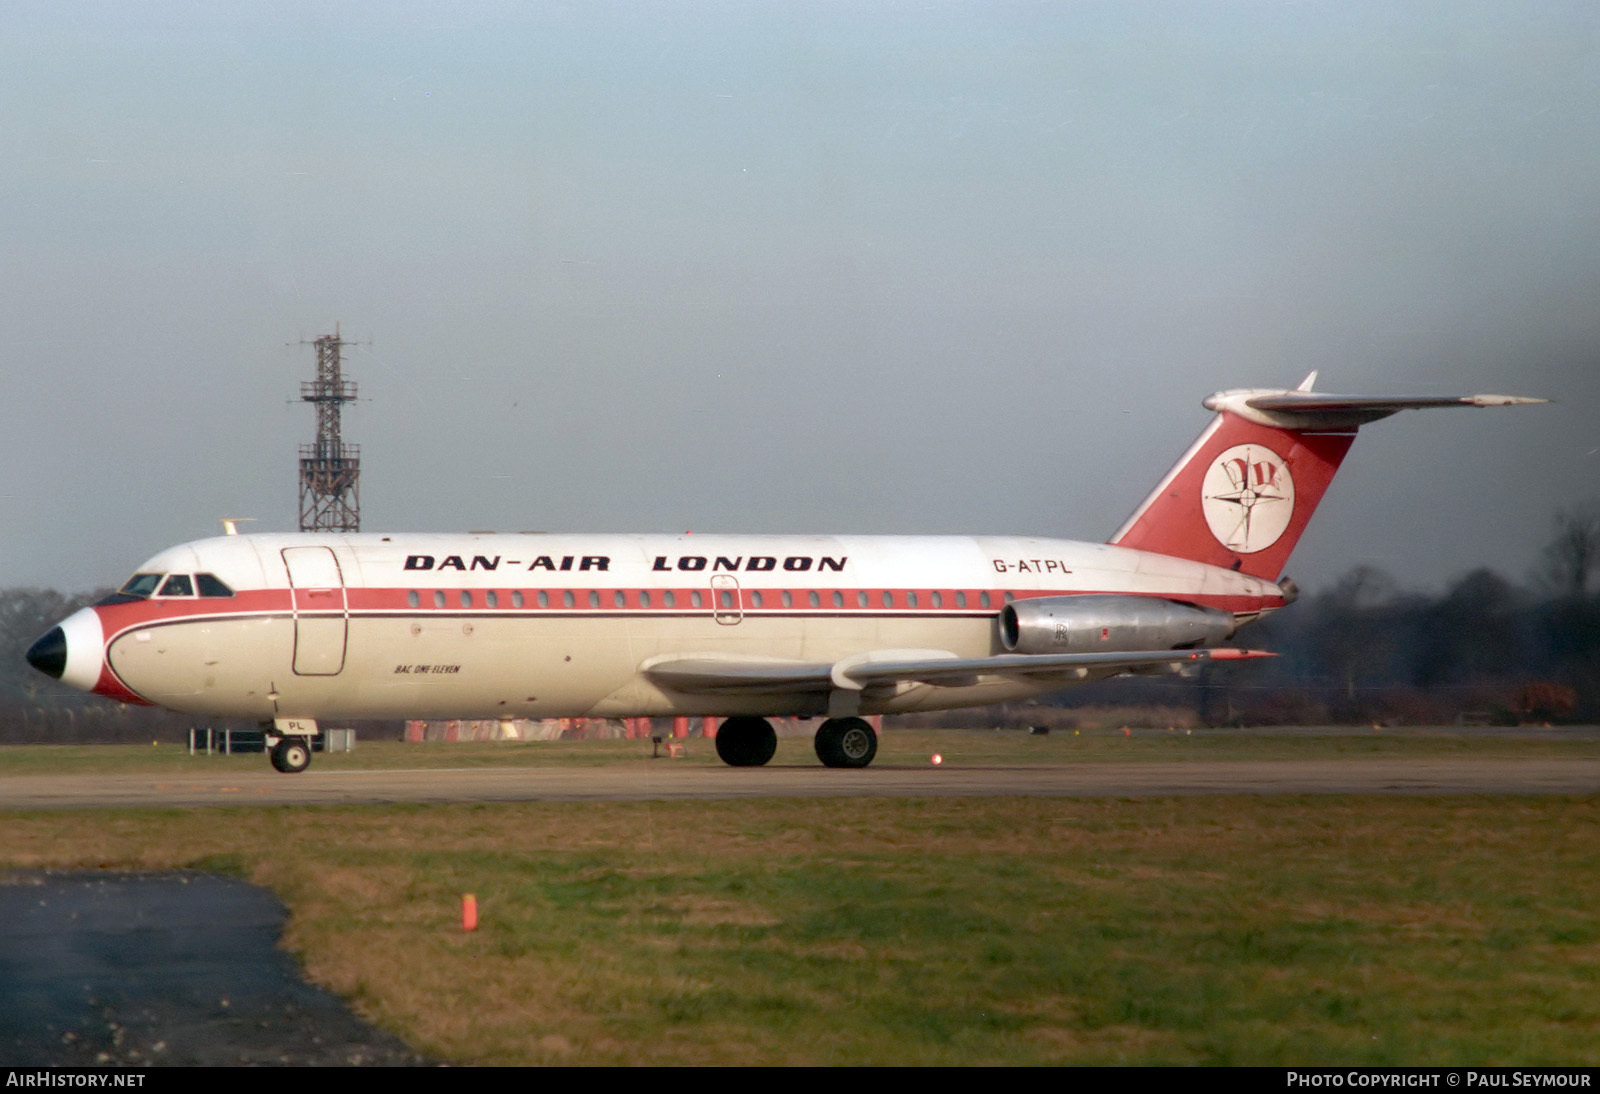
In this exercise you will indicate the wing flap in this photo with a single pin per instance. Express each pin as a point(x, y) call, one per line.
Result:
point(956, 671)
point(717, 675)
point(722, 675)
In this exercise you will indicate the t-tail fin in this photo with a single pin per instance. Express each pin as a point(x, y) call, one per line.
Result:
point(1245, 491)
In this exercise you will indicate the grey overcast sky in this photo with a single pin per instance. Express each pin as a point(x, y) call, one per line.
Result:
point(771, 266)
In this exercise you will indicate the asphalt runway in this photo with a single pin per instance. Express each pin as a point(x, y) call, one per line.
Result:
point(664, 780)
point(120, 970)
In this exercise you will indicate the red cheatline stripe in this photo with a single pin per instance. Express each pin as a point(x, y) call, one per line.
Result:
point(120, 617)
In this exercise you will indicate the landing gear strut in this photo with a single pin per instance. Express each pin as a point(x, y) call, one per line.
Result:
point(846, 742)
point(746, 742)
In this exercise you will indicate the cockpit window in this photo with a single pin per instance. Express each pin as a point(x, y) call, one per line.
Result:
point(177, 585)
point(141, 585)
point(210, 585)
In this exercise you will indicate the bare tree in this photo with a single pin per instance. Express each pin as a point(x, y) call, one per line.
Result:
point(1573, 552)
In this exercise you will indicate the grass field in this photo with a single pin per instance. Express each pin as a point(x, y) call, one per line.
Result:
point(1229, 930)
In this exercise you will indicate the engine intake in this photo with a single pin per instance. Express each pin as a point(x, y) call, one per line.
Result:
point(1109, 624)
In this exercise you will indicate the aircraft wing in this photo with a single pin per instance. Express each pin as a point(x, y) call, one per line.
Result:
point(716, 675)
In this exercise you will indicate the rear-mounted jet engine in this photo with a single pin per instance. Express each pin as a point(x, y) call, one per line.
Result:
point(1104, 624)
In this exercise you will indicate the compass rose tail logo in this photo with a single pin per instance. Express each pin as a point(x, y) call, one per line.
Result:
point(1248, 498)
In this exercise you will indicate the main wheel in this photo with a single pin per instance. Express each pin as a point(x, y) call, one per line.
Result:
point(846, 742)
point(292, 755)
point(746, 742)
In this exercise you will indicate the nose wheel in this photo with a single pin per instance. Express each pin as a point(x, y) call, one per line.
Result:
point(290, 752)
point(291, 756)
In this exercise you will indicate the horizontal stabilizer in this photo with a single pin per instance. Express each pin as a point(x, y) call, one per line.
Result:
point(1303, 409)
point(1296, 400)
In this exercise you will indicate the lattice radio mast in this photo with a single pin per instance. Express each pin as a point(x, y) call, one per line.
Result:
point(330, 470)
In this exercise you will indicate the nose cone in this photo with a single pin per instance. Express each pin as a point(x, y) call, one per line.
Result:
point(49, 654)
point(73, 652)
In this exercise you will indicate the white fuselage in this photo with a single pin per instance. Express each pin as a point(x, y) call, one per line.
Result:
point(534, 625)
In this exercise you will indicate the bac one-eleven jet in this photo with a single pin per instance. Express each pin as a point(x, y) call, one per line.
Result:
point(297, 629)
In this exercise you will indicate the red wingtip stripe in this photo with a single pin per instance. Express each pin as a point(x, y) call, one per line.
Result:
point(1228, 653)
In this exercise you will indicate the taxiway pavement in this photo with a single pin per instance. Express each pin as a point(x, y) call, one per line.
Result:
point(666, 780)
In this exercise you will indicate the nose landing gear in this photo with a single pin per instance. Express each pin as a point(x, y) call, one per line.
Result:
point(289, 744)
point(291, 756)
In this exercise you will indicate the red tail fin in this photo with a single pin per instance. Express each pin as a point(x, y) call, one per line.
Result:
point(1240, 498)
point(1242, 495)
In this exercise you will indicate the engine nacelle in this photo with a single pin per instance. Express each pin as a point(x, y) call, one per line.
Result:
point(1109, 624)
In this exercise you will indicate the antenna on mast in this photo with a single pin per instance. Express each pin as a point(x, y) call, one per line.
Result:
point(330, 470)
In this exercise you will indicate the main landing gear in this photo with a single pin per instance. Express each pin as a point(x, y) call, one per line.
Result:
point(846, 742)
point(841, 742)
point(746, 741)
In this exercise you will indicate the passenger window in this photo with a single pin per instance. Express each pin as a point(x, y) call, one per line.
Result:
point(788, 599)
point(594, 599)
point(755, 599)
point(413, 599)
point(466, 599)
point(888, 599)
point(644, 598)
point(911, 600)
point(516, 598)
point(568, 600)
point(983, 600)
point(694, 598)
point(961, 599)
point(438, 598)
point(815, 599)
point(177, 585)
point(938, 600)
point(619, 598)
point(838, 599)
point(491, 599)
point(861, 599)
point(209, 585)
point(669, 600)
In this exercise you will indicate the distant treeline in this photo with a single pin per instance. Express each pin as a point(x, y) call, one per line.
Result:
point(1364, 651)
point(1483, 652)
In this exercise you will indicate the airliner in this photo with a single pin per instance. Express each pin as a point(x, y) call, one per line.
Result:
point(294, 630)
